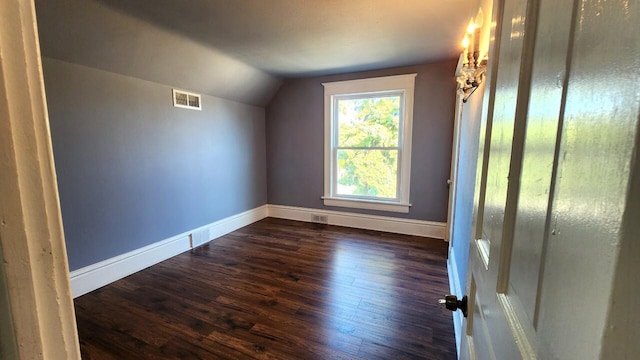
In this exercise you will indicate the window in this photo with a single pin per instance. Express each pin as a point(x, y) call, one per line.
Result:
point(368, 142)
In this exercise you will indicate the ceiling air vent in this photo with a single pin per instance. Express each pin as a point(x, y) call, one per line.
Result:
point(186, 100)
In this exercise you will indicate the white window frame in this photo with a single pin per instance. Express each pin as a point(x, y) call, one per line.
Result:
point(340, 89)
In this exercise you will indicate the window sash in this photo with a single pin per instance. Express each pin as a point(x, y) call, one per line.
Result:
point(335, 138)
point(335, 117)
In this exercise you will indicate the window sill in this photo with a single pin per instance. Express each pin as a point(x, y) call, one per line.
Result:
point(367, 204)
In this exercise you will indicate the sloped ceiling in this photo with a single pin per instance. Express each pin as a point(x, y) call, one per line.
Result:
point(242, 49)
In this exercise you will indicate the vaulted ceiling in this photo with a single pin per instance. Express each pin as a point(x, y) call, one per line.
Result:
point(242, 49)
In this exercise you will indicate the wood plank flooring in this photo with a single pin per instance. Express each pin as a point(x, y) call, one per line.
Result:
point(278, 289)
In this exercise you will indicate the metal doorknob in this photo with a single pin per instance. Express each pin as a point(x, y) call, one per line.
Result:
point(452, 303)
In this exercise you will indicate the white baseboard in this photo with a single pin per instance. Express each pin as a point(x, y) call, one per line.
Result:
point(457, 289)
point(362, 221)
point(235, 222)
point(94, 276)
point(107, 271)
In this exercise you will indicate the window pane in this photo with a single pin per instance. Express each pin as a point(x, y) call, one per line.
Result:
point(367, 173)
point(369, 122)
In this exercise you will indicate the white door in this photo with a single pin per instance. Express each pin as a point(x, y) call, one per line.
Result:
point(556, 145)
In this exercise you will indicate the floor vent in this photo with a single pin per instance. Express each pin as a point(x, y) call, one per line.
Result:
point(322, 219)
point(186, 100)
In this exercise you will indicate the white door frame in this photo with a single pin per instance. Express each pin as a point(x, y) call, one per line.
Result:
point(455, 153)
point(31, 236)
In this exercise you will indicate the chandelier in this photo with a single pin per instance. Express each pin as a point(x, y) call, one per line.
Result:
point(473, 69)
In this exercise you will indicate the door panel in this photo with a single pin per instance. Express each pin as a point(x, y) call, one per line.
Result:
point(598, 137)
point(541, 135)
point(503, 124)
point(523, 113)
point(490, 331)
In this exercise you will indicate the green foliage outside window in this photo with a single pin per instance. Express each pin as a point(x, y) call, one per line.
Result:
point(368, 146)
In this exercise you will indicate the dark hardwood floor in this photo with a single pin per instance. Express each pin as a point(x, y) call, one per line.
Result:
point(279, 289)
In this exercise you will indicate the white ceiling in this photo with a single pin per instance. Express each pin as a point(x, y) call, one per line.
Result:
point(241, 49)
point(308, 37)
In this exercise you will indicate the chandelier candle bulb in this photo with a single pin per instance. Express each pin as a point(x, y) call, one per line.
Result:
point(471, 28)
point(465, 45)
point(476, 46)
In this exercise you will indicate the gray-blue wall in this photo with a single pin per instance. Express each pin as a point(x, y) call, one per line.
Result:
point(467, 167)
point(133, 170)
point(295, 140)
